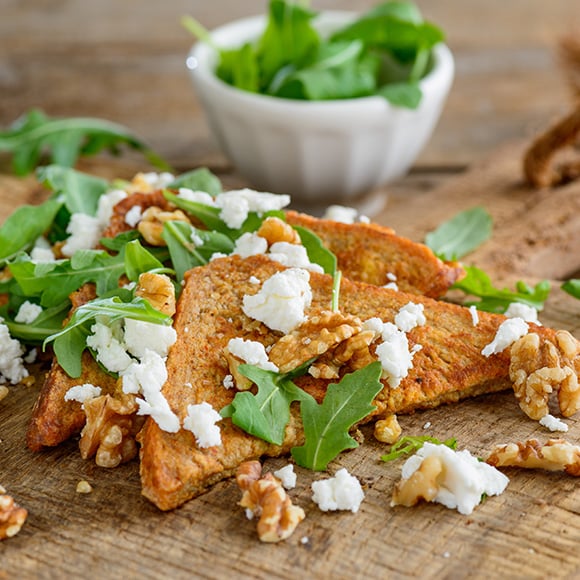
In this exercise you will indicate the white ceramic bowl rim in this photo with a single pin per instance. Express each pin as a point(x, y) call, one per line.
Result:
point(204, 59)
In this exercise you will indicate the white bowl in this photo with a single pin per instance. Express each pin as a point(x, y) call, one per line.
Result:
point(316, 151)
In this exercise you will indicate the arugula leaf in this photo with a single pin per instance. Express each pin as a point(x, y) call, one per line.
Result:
point(185, 254)
point(80, 191)
point(139, 260)
point(52, 282)
point(407, 95)
point(265, 414)
point(408, 445)
point(317, 252)
point(48, 322)
point(66, 139)
point(201, 179)
point(572, 287)
point(24, 226)
point(326, 426)
point(117, 243)
point(461, 234)
point(71, 341)
point(477, 283)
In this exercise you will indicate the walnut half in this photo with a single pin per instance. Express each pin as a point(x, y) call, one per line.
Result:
point(539, 367)
point(265, 497)
point(422, 484)
point(555, 455)
point(12, 516)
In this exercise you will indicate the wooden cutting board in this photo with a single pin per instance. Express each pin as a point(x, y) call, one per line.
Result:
point(531, 531)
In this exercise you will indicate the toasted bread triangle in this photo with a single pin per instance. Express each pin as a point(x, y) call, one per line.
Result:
point(449, 367)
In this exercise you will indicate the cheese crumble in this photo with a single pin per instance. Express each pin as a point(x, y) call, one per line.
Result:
point(201, 421)
point(28, 312)
point(463, 480)
point(553, 423)
point(410, 316)
point(287, 476)
point(11, 366)
point(341, 492)
point(474, 315)
point(281, 301)
point(195, 196)
point(340, 213)
point(394, 354)
point(82, 393)
point(523, 311)
point(251, 352)
point(508, 332)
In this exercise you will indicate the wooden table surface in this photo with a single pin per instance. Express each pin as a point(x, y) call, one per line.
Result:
point(124, 60)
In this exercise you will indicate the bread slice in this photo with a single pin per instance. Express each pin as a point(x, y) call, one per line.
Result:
point(449, 367)
point(365, 252)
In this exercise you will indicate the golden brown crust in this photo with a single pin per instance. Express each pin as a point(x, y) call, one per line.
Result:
point(449, 367)
point(368, 252)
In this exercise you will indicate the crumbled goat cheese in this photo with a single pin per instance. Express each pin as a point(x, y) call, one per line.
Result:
point(31, 356)
point(251, 352)
point(392, 277)
point(254, 280)
point(196, 239)
point(250, 244)
point(392, 286)
point(201, 421)
point(375, 324)
point(427, 425)
point(106, 204)
point(110, 352)
point(84, 233)
point(410, 316)
point(304, 540)
point(281, 301)
point(11, 365)
point(553, 423)
point(341, 492)
point(474, 315)
point(147, 377)
point(236, 205)
point(157, 180)
point(340, 213)
point(394, 354)
point(523, 311)
point(217, 255)
point(287, 476)
point(464, 478)
point(133, 216)
point(28, 312)
point(228, 382)
point(141, 336)
point(82, 393)
point(42, 251)
point(508, 332)
point(293, 256)
point(195, 196)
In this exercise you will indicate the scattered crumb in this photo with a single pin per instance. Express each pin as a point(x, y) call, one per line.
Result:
point(553, 423)
point(427, 425)
point(3, 392)
point(84, 487)
point(446, 554)
point(474, 315)
point(304, 540)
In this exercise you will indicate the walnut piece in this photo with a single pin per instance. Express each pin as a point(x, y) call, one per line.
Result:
point(265, 497)
point(421, 485)
point(539, 367)
point(109, 433)
point(152, 220)
point(83, 486)
point(242, 382)
point(158, 290)
point(12, 516)
point(388, 430)
point(315, 336)
point(555, 455)
point(274, 230)
point(3, 392)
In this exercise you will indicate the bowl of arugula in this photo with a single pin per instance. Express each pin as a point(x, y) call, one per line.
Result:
point(324, 106)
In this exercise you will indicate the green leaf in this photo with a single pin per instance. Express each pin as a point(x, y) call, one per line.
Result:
point(65, 140)
point(185, 254)
point(139, 260)
point(316, 251)
point(408, 445)
point(71, 341)
point(201, 179)
point(461, 234)
point(402, 94)
point(478, 283)
point(48, 322)
point(81, 191)
point(206, 214)
point(572, 287)
point(53, 282)
point(117, 243)
point(265, 414)
point(326, 426)
point(239, 68)
point(24, 226)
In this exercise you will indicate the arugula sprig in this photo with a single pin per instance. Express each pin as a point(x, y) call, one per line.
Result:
point(385, 52)
point(326, 425)
point(491, 299)
point(409, 445)
point(65, 140)
point(572, 287)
